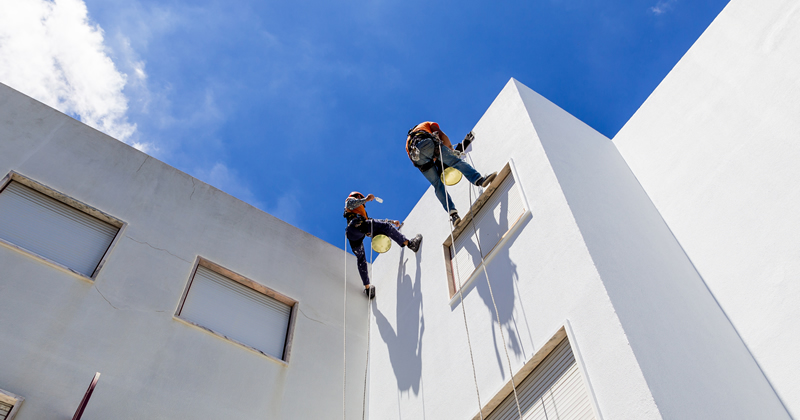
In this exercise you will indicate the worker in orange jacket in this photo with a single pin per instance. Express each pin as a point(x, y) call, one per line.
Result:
point(359, 225)
point(430, 150)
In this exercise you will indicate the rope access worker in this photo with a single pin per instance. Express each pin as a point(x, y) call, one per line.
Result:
point(360, 225)
point(424, 146)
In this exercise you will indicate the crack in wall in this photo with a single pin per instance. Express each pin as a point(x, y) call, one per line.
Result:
point(159, 249)
point(312, 319)
point(143, 162)
point(120, 309)
point(194, 186)
point(104, 297)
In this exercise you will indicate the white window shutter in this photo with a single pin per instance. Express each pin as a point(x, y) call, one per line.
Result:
point(554, 390)
point(52, 229)
point(5, 409)
point(237, 312)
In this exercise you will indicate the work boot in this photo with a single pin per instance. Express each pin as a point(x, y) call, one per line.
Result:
point(414, 244)
point(454, 219)
point(485, 181)
point(370, 292)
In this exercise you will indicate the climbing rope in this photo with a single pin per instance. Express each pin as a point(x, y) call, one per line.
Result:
point(494, 303)
point(461, 297)
point(344, 340)
point(491, 292)
point(369, 329)
point(344, 337)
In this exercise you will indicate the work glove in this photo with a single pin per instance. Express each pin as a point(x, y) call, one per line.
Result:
point(460, 147)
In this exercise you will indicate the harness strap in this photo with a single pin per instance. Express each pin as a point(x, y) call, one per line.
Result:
point(416, 137)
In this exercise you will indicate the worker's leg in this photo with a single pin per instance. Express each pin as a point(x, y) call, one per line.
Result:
point(379, 227)
point(432, 175)
point(427, 150)
point(450, 159)
point(356, 239)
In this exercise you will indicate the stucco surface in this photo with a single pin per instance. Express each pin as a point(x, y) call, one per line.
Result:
point(421, 366)
point(56, 330)
point(694, 362)
point(716, 149)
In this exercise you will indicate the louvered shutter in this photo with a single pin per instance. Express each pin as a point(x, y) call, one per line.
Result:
point(237, 312)
point(554, 390)
point(5, 408)
point(494, 219)
point(52, 229)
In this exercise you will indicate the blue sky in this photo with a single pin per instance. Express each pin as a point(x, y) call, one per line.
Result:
point(291, 105)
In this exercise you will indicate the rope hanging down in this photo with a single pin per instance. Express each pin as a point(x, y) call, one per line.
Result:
point(491, 293)
point(369, 329)
point(463, 310)
point(494, 303)
point(344, 340)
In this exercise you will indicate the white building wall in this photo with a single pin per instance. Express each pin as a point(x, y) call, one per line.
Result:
point(716, 148)
point(56, 330)
point(694, 362)
point(420, 364)
point(652, 340)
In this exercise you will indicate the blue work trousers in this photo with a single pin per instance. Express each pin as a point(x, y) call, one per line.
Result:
point(356, 232)
point(427, 151)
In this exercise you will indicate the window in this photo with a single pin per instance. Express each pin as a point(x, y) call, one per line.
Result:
point(495, 215)
point(54, 227)
point(239, 310)
point(9, 405)
point(554, 388)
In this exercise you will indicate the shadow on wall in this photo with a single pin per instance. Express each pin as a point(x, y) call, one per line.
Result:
point(405, 345)
point(502, 272)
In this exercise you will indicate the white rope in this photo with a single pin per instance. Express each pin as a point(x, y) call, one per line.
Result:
point(369, 328)
point(461, 295)
point(497, 313)
point(344, 339)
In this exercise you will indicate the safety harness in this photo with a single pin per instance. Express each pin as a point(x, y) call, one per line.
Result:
point(358, 215)
point(413, 139)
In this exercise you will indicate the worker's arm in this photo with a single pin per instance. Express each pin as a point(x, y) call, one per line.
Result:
point(351, 202)
point(437, 131)
point(444, 139)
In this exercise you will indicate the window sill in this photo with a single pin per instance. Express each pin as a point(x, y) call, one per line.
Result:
point(218, 335)
point(479, 269)
point(46, 261)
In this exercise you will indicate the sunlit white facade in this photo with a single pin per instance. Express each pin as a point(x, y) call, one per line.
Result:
point(649, 276)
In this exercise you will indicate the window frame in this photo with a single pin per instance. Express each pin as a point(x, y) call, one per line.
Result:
point(251, 284)
point(13, 399)
point(68, 201)
point(508, 170)
point(564, 332)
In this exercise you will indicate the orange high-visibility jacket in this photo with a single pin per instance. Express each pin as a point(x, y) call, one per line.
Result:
point(428, 126)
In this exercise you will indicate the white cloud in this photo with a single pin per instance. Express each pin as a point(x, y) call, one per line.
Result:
point(50, 51)
point(663, 6)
